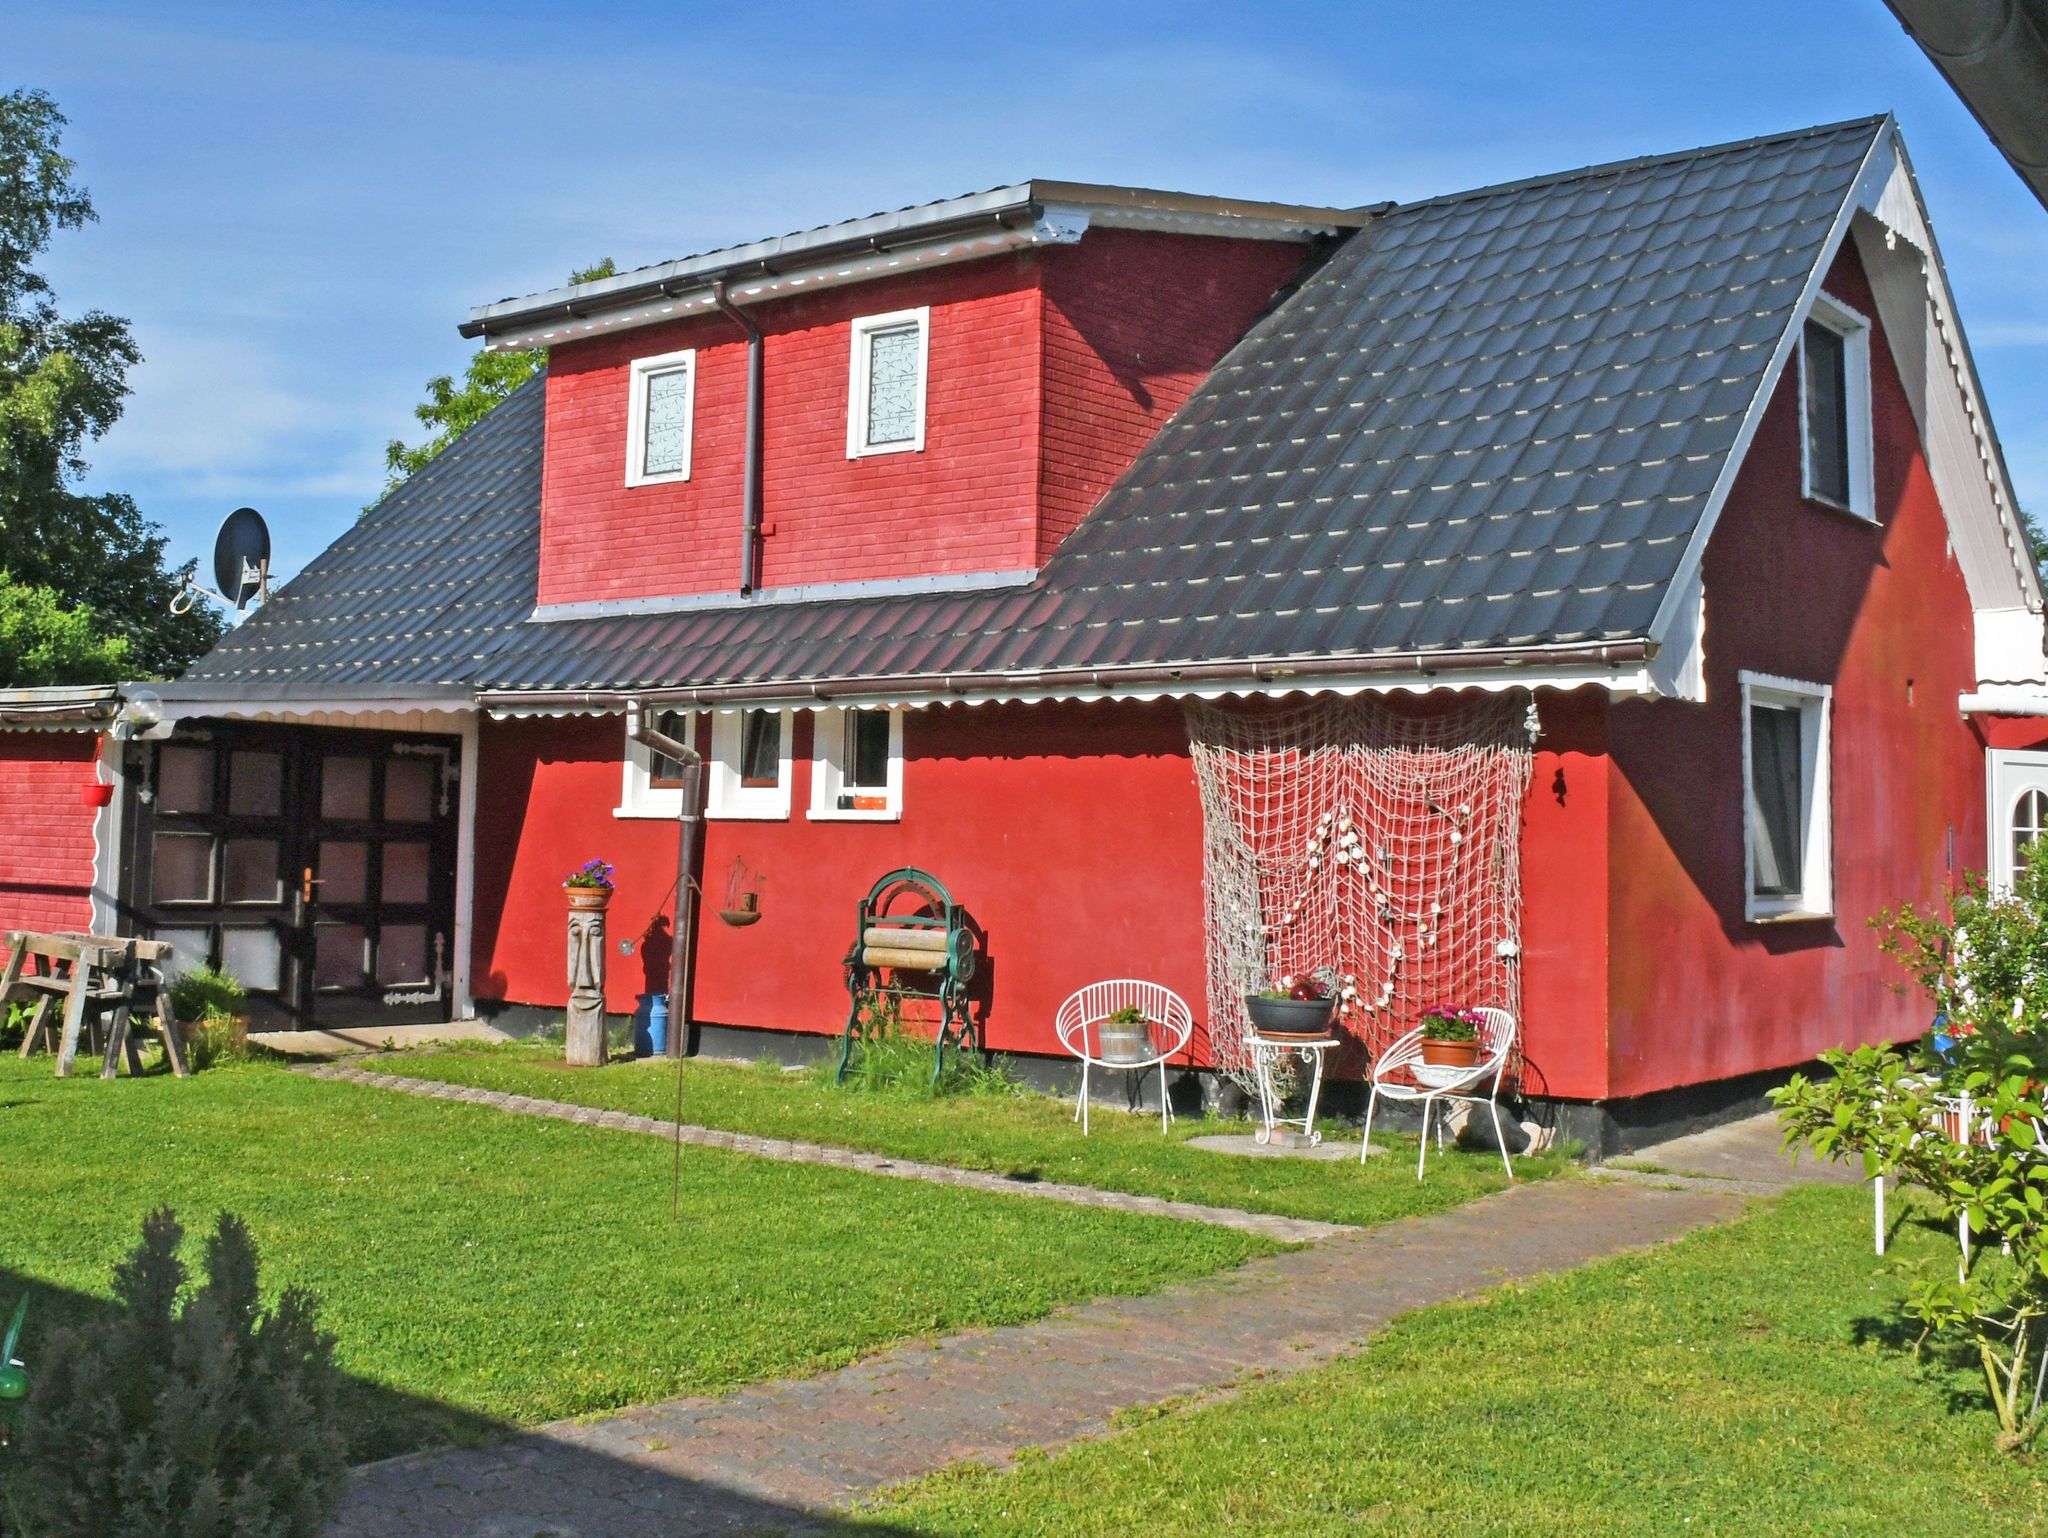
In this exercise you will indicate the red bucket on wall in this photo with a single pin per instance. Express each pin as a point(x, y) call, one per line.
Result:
point(99, 795)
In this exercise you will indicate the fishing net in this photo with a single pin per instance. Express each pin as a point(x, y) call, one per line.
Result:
point(1374, 846)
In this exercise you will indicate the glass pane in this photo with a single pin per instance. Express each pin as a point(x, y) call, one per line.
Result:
point(405, 872)
point(1775, 782)
point(345, 788)
point(892, 386)
point(251, 871)
point(254, 957)
point(867, 750)
point(1827, 413)
point(256, 784)
point(2029, 819)
point(338, 955)
point(182, 870)
point(667, 425)
point(409, 785)
point(761, 747)
point(344, 871)
point(664, 772)
point(184, 779)
point(402, 954)
point(189, 948)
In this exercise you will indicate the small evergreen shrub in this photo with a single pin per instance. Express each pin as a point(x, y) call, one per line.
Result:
point(197, 1413)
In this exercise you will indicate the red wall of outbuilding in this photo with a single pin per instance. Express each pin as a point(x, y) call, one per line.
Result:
point(1800, 591)
point(46, 855)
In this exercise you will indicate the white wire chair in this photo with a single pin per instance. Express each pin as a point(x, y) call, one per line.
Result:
point(1168, 1024)
point(1400, 1074)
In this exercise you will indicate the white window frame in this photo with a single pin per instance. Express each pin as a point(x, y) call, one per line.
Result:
point(643, 370)
point(857, 446)
point(1854, 330)
point(729, 800)
point(639, 796)
point(828, 772)
point(1815, 703)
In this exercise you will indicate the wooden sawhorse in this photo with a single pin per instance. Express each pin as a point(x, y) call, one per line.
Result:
point(110, 975)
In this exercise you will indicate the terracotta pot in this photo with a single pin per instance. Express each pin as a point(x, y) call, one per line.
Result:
point(1449, 1054)
point(99, 795)
point(586, 899)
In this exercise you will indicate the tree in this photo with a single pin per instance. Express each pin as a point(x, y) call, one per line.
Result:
point(62, 384)
point(449, 411)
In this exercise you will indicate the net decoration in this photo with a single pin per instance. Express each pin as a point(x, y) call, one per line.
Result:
point(1379, 843)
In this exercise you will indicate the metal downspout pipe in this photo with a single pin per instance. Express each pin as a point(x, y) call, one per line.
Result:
point(689, 820)
point(750, 484)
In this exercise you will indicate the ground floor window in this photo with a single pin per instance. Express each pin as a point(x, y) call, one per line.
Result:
point(654, 782)
point(1787, 815)
point(857, 765)
point(750, 764)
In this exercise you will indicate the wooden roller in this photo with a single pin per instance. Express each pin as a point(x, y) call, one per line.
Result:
point(904, 939)
point(901, 959)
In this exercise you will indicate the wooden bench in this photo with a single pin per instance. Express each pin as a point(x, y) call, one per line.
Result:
point(108, 977)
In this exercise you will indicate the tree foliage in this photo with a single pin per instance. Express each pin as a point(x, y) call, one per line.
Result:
point(62, 384)
point(450, 410)
point(198, 1413)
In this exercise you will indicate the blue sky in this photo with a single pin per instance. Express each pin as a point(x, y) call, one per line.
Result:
point(299, 202)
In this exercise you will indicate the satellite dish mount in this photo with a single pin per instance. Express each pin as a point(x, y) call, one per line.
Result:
point(241, 564)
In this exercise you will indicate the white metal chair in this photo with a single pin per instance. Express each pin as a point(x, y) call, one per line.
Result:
point(1401, 1074)
point(1168, 1026)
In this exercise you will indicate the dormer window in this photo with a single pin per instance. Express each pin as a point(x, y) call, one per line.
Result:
point(658, 424)
point(1834, 408)
point(885, 413)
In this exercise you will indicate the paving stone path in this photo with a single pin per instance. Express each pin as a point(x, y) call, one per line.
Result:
point(1265, 1224)
point(783, 1457)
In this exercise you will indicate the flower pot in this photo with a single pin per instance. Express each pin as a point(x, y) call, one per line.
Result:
point(99, 795)
point(1449, 1054)
point(1124, 1043)
point(588, 899)
point(1290, 1017)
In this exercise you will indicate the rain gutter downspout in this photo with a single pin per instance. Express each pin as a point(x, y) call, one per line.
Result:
point(750, 483)
point(689, 821)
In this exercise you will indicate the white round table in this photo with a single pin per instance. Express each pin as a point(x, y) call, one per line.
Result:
point(1267, 1052)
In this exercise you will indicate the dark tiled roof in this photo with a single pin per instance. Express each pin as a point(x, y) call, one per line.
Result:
point(1487, 420)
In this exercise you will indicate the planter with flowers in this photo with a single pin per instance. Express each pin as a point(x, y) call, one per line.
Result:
point(1450, 1037)
point(1294, 1006)
point(589, 886)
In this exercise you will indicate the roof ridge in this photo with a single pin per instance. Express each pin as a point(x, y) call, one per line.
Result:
point(1640, 162)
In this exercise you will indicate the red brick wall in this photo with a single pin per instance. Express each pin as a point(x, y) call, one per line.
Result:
point(1134, 321)
point(46, 853)
point(1697, 993)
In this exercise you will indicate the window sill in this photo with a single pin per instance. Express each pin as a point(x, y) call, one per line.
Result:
point(747, 814)
point(834, 814)
point(1791, 916)
point(633, 482)
point(647, 813)
point(876, 451)
point(1839, 509)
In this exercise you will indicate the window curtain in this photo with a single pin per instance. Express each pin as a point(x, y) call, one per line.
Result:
point(1774, 783)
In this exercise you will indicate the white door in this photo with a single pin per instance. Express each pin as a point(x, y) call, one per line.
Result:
point(2018, 813)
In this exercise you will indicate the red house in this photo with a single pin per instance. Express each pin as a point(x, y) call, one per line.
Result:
point(1597, 594)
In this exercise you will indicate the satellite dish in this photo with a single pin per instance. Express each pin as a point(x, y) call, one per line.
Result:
point(241, 557)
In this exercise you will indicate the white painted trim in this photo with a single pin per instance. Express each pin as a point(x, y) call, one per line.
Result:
point(638, 797)
point(1999, 807)
point(106, 837)
point(1815, 703)
point(828, 773)
point(806, 592)
point(643, 372)
point(863, 331)
point(462, 941)
point(729, 800)
point(1853, 328)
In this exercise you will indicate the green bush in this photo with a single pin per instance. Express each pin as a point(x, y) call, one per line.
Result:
point(890, 1058)
point(199, 1414)
point(206, 994)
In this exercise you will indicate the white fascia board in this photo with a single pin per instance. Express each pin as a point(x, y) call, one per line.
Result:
point(1055, 227)
point(2007, 700)
point(2010, 647)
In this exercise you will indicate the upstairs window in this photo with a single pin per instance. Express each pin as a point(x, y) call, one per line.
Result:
point(662, 404)
point(857, 766)
point(1834, 408)
point(654, 782)
point(885, 413)
point(1787, 811)
point(750, 764)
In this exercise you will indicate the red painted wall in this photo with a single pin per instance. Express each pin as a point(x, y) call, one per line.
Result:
point(1047, 374)
point(46, 859)
point(1072, 833)
point(1134, 321)
point(1695, 993)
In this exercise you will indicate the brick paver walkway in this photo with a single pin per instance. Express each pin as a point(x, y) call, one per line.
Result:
point(779, 1457)
point(1265, 1224)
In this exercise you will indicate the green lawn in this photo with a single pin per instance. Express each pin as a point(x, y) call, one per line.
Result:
point(1737, 1382)
point(1026, 1135)
point(483, 1269)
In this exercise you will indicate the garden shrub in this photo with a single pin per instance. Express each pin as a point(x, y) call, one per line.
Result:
point(200, 1413)
point(891, 1057)
point(203, 993)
